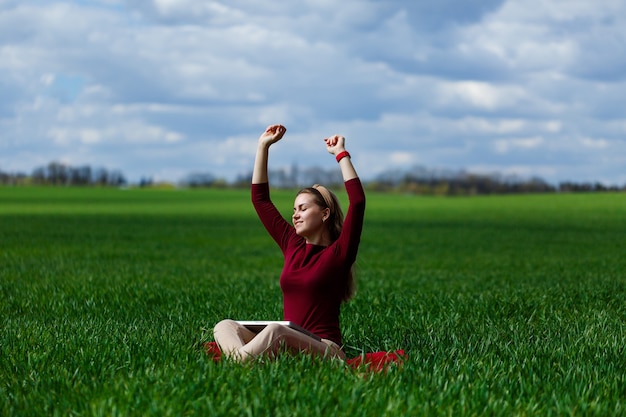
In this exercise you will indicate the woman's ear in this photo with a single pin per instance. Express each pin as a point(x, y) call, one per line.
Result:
point(326, 214)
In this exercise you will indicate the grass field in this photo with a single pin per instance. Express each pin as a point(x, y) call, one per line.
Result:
point(508, 305)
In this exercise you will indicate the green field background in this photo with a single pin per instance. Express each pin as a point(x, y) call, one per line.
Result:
point(505, 305)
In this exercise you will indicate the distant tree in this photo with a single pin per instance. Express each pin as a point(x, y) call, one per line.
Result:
point(116, 179)
point(145, 182)
point(282, 178)
point(243, 180)
point(80, 175)
point(101, 177)
point(197, 180)
point(58, 173)
point(18, 178)
point(39, 176)
point(316, 175)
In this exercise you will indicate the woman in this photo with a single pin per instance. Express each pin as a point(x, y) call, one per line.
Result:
point(319, 248)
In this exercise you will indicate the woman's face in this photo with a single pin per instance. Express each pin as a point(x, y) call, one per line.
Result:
point(308, 217)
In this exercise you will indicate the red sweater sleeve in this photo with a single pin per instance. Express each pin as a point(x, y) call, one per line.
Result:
point(353, 223)
point(279, 229)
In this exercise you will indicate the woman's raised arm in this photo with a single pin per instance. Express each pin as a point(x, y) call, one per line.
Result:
point(336, 146)
point(272, 134)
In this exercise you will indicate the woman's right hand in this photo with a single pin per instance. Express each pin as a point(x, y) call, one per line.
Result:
point(272, 134)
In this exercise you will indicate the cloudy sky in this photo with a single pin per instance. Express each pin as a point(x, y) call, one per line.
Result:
point(164, 88)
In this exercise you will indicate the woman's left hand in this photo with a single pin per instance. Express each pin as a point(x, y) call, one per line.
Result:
point(335, 144)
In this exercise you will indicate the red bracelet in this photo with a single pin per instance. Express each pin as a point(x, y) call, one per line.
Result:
point(342, 155)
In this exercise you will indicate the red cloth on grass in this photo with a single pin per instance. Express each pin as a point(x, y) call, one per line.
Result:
point(213, 351)
point(377, 361)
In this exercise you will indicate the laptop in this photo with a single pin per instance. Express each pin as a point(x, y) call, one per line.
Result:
point(257, 325)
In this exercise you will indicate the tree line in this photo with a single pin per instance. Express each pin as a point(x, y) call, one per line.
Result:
point(59, 174)
point(418, 180)
point(425, 181)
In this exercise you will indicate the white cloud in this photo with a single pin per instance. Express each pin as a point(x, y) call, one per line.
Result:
point(480, 95)
point(121, 134)
point(594, 143)
point(89, 136)
point(508, 145)
point(401, 158)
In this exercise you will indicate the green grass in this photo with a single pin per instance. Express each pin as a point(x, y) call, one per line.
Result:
point(506, 306)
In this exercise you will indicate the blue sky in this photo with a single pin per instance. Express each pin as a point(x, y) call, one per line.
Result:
point(164, 88)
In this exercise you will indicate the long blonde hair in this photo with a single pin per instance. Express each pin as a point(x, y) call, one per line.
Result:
point(325, 198)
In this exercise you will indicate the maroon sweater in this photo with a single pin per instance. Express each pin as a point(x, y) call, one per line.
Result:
point(314, 278)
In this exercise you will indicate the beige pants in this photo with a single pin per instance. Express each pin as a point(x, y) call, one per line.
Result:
point(242, 345)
